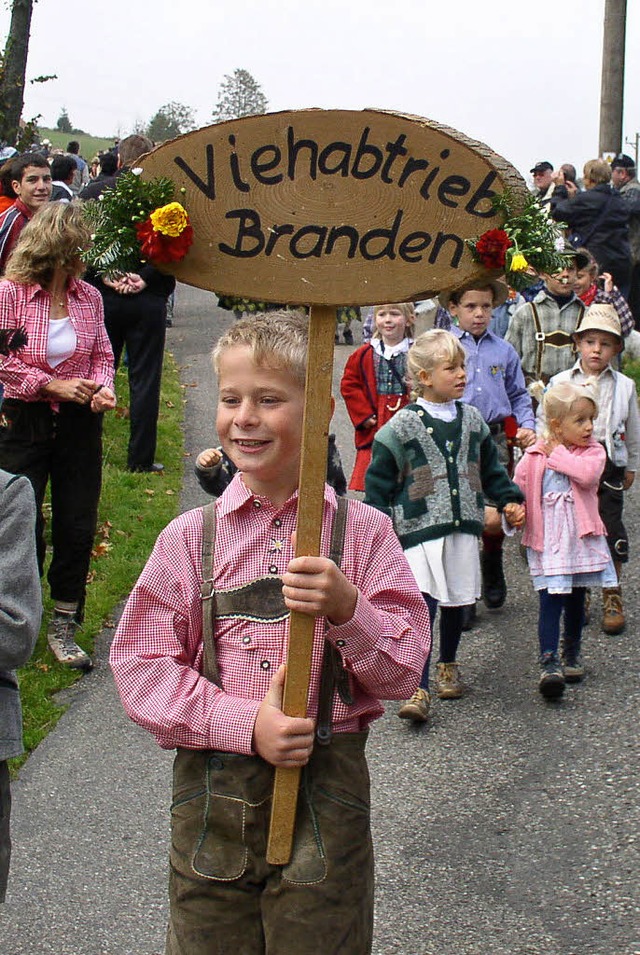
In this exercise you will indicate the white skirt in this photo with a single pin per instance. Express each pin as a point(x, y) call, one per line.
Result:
point(448, 569)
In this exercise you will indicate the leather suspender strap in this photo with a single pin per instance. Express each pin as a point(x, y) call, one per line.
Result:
point(333, 675)
point(539, 341)
point(557, 338)
point(207, 593)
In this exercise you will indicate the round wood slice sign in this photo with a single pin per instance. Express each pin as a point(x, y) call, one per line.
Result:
point(332, 207)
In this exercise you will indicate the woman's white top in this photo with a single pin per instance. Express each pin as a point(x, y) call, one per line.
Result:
point(62, 341)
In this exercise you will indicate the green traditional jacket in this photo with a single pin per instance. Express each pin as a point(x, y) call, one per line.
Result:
point(431, 476)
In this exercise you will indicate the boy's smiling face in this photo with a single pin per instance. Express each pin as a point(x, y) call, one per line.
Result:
point(259, 422)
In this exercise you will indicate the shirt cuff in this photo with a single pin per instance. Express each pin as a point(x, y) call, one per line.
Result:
point(353, 638)
point(233, 723)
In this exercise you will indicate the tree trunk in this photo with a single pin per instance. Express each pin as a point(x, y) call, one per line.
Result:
point(15, 65)
point(612, 93)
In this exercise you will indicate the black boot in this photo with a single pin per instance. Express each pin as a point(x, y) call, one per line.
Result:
point(494, 585)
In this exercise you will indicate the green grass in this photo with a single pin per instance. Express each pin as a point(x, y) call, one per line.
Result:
point(90, 146)
point(133, 510)
point(632, 369)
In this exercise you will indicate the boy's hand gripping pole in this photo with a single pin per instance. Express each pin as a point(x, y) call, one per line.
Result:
point(313, 470)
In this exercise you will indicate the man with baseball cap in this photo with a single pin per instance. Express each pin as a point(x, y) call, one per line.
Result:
point(625, 179)
point(547, 190)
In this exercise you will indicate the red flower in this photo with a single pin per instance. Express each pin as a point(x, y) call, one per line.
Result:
point(491, 248)
point(163, 248)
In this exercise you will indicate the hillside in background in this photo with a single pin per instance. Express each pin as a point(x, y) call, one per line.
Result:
point(89, 145)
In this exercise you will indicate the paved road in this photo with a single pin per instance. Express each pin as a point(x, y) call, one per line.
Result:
point(509, 826)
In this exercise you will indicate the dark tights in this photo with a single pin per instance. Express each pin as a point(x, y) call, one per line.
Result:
point(551, 607)
point(450, 633)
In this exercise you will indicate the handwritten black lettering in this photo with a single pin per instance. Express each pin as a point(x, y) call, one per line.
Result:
point(394, 150)
point(343, 232)
point(441, 241)
point(234, 165)
point(412, 244)
point(293, 148)
point(388, 235)
point(482, 193)
point(260, 167)
point(452, 186)
point(315, 250)
point(343, 150)
point(208, 188)
point(249, 226)
point(366, 149)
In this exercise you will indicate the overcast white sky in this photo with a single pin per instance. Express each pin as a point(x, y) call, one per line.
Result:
point(524, 78)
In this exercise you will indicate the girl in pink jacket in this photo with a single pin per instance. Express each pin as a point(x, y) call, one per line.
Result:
point(565, 538)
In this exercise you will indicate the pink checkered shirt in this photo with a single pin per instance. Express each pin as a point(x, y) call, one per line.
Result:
point(157, 650)
point(25, 373)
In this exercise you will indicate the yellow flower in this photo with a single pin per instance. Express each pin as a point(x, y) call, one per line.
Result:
point(519, 263)
point(171, 219)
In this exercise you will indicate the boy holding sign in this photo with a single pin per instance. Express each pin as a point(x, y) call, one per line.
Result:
point(218, 699)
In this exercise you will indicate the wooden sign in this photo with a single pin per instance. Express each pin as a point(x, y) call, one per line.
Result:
point(332, 207)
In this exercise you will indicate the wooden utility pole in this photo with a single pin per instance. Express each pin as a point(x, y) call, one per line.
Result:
point(612, 93)
point(14, 69)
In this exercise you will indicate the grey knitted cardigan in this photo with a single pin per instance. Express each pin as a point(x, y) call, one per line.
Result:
point(431, 476)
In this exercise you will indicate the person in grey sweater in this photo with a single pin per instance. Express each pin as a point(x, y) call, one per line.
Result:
point(20, 615)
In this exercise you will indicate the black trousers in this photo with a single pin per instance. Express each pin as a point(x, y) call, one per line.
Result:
point(65, 449)
point(138, 322)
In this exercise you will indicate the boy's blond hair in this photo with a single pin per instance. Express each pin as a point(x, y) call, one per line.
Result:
point(558, 400)
point(407, 309)
point(277, 339)
point(430, 349)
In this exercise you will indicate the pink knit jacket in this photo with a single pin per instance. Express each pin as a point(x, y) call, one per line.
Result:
point(583, 467)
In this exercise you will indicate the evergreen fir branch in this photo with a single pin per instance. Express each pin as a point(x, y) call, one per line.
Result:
point(112, 219)
point(532, 234)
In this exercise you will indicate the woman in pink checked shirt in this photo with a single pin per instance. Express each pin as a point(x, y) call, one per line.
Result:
point(55, 390)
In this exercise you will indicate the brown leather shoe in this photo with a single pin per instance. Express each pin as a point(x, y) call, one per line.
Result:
point(613, 619)
point(448, 685)
point(417, 708)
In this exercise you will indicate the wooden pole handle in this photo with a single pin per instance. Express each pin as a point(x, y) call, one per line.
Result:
point(313, 470)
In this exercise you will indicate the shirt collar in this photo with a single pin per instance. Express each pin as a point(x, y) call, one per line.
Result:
point(578, 370)
point(544, 294)
point(34, 289)
point(237, 496)
point(25, 210)
point(460, 333)
point(390, 350)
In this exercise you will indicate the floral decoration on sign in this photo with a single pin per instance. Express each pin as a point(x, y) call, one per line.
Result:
point(166, 235)
point(136, 220)
point(528, 243)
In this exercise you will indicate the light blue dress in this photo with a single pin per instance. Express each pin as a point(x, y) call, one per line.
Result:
point(567, 560)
